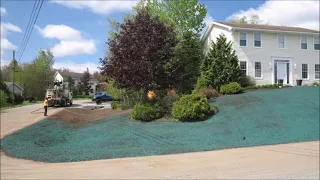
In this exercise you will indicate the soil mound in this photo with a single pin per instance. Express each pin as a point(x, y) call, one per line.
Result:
point(80, 115)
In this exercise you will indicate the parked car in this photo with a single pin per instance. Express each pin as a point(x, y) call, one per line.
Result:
point(101, 97)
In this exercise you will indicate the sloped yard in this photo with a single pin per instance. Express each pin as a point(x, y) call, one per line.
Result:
point(249, 119)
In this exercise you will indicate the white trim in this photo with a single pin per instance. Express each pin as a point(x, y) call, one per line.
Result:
point(209, 29)
point(307, 71)
point(254, 67)
point(222, 25)
point(314, 44)
point(260, 40)
point(276, 31)
point(273, 58)
point(284, 39)
point(240, 39)
point(301, 42)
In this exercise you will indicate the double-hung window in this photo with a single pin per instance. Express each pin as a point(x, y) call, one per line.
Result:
point(243, 39)
point(243, 68)
point(317, 71)
point(257, 70)
point(281, 41)
point(316, 43)
point(304, 42)
point(257, 39)
point(304, 71)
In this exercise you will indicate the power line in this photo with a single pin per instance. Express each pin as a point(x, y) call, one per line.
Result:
point(31, 30)
point(27, 29)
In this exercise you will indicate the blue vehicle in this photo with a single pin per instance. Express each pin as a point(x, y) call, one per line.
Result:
point(101, 97)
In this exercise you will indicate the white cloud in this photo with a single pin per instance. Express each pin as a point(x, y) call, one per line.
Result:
point(61, 32)
point(3, 11)
point(77, 67)
point(98, 7)
point(71, 41)
point(288, 13)
point(5, 43)
point(74, 48)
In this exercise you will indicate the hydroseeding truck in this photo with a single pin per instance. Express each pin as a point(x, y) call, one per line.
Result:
point(59, 95)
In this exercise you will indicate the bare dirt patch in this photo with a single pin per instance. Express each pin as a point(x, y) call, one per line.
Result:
point(80, 115)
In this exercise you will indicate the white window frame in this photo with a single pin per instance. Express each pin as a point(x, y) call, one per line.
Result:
point(314, 44)
point(301, 42)
point(260, 40)
point(284, 38)
point(246, 67)
point(246, 39)
point(261, 74)
point(316, 71)
point(303, 71)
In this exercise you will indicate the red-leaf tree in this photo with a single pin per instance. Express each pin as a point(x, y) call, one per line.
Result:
point(139, 53)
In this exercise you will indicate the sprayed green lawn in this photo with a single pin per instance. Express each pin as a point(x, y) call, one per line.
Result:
point(263, 117)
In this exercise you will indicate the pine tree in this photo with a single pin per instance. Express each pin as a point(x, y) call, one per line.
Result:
point(220, 66)
point(85, 81)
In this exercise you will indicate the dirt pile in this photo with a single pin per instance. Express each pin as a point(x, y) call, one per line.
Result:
point(80, 115)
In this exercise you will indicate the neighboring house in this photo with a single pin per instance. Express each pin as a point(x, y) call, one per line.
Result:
point(271, 53)
point(17, 89)
point(61, 76)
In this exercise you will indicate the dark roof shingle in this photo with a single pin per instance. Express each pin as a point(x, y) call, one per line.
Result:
point(269, 27)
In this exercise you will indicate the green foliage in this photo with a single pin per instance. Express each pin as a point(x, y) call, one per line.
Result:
point(168, 101)
point(191, 107)
point(255, 19)
point(18, 99)
point(115, 104)
point(3, 98)
point(18, 76)
point(82, 97)
point(202, 82)
point(266, 86)
point(85, 81)
point(316, 84)
point(70, 81)
point(231, 88)
point(247, 81)
point(183, 15)
point(209, 92)
point(147, 112)
point(221, 64)
point(187, 19)
point(38, 74)
point(4, 88)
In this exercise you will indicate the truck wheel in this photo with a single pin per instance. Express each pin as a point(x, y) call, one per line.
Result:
point(98, 101)
point(71, 103)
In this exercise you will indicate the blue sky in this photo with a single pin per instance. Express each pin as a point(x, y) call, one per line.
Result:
point(76, 31)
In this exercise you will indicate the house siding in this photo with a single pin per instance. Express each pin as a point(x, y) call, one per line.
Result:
point(214, 34)
point(269, 52)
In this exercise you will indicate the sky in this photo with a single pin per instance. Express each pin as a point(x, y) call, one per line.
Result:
point(76, 32)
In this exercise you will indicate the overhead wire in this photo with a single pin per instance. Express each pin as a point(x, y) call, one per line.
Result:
point(27, 28)
point(28, 37)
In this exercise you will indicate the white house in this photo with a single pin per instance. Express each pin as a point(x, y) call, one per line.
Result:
point(17, 89)
point(62, 76)
point(271, 53)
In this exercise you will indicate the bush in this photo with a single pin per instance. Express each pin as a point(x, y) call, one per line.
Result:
point(231, 88)
point(83, 96)
point(18, 99)
point(147, 112)
point(209, 92)
point(316, 84)
point(3, 98)
point(115, 105)
point(246, 81)
point(191, 107)
point(202, 83)
point(31, 99)
point(168, 100)
point(266, 86)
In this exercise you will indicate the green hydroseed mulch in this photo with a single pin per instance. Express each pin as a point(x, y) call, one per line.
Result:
point(263, 117)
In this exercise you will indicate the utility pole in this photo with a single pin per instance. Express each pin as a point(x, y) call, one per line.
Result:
point(13, 71)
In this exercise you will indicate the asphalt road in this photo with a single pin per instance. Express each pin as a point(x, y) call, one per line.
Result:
point(287, 161)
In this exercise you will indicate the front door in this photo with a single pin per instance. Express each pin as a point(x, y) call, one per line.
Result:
point(282, 72)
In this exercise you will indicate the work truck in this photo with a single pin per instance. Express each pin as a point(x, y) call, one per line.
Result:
point(59, 95)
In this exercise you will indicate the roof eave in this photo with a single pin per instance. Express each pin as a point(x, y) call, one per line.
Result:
point(279, 31)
